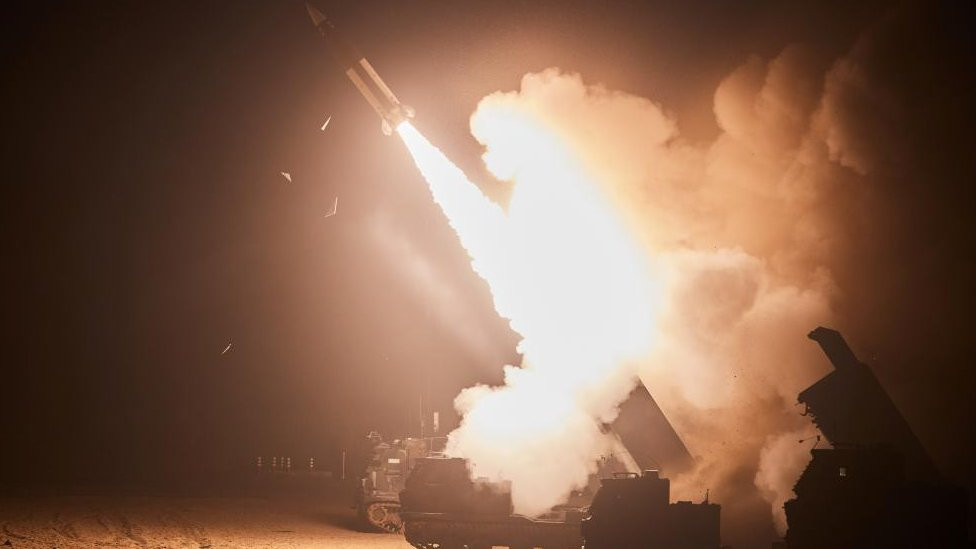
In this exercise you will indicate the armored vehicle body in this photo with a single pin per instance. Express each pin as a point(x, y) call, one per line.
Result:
point(443, 508)
point(633, 511)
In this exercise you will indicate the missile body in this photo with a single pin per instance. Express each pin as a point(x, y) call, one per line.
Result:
point(361, 74)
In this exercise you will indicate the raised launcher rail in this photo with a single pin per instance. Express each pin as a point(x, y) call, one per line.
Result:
point(849, 406)
point(876, 486)
point(443, 508)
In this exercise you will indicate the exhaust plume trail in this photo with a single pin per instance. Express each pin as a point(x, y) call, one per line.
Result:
point(573, 283)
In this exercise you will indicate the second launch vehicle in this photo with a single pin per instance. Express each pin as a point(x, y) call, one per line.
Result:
point(361, 73)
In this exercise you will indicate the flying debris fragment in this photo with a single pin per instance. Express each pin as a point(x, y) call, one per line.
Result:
point(326, 123)
point(361, 73)
point(287, 176)
point(227, 348)
point(335, 208)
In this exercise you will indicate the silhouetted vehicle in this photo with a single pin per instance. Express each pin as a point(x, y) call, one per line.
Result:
point(378, 496)
point(643, 438)
point(877, 487)
point(633, 511)
point(443, 508)
point(853, 497)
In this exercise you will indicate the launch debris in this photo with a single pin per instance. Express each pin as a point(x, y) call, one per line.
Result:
point(287, 176)
point(227, 348)
point(335, 208)
point(326, 123)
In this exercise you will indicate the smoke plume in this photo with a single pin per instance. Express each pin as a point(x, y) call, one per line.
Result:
point(743, 230)
point(747, 241)
point(733, 227)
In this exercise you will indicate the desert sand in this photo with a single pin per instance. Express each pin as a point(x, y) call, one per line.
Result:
point(104, 520)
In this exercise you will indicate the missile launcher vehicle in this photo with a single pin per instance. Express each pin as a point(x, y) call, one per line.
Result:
point(633, 511)
point(443, 508)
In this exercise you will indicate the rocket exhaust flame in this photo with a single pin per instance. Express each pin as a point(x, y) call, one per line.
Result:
point(574, 285)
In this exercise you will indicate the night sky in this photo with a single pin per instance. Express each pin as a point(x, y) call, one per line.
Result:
point(146, 224)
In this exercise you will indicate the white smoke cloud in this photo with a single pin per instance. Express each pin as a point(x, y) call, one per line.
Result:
point(738, 226)
point(780, 465)
point(746, 231)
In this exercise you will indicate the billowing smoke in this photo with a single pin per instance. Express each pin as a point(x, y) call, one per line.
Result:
point(734, 230)
point(753, 237)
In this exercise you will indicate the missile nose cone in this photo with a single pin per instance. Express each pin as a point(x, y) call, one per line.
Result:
point(316, 15)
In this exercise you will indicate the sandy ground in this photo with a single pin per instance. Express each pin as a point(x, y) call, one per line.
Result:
point(283, 521)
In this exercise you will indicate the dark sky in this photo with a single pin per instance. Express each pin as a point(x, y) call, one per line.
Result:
point(146, 224)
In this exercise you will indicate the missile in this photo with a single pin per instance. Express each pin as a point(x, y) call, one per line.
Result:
point(361, 74)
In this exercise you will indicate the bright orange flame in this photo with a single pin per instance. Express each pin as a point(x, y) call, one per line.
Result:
point(574, 284)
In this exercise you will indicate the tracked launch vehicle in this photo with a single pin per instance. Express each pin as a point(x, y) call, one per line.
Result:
point(378, 495)
point(633, 511)
point(642, 435)
point(443, 508)
point(877, 486)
